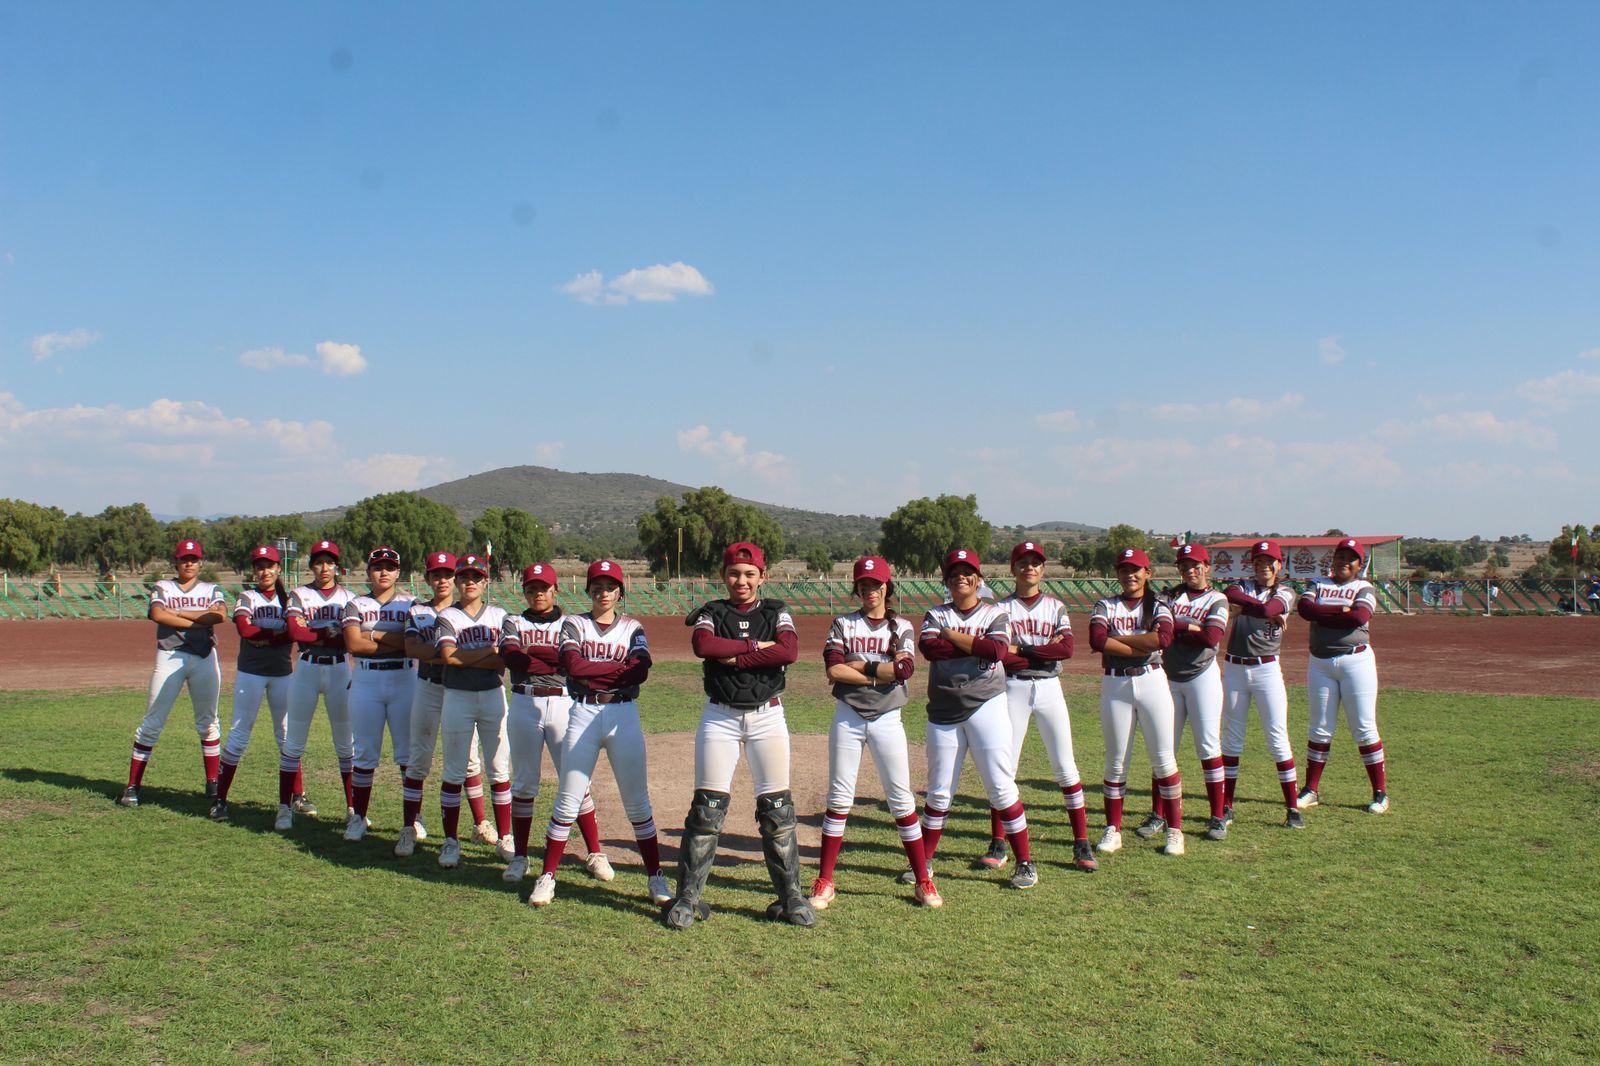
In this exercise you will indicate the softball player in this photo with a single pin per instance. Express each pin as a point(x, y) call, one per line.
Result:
point(964, 641)
point(315, 616)
point(1254, 646)
point(265, 667)
point(1199, 622)
point(605, 658)
point(1129, 632)
point(384, 683)
point(1342, 671)
point(184, 612)
point(537, 719)
point(746, 645)
point(869, 660)
point(468, 635)
point(1041, 639)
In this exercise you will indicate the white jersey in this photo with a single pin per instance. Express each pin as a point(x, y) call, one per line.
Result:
point(526, 634)
point(1041, 622)
point(470, 632)
point(1323, 592)
point(958, 687)
point(1259, 638)
point(1186, 660)
point(855, 637)
point(377, 619)
point(200, 596)
point(593, 642)
point(321, 611)
point(263, 611)
point(423, 623)
point(1123, 619)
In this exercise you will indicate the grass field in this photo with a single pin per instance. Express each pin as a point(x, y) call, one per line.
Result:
point(1460, 927)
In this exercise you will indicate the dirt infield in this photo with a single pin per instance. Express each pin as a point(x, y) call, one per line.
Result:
point(1509, 656)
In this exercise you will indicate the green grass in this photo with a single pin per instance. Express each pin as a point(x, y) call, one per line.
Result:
point(1461, 927)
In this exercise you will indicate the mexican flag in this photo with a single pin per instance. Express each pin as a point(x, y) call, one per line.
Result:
point(1574, 545)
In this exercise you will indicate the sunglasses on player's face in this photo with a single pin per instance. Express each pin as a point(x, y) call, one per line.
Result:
point(384, 555)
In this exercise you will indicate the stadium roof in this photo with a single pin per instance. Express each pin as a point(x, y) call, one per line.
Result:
point(1306, 542)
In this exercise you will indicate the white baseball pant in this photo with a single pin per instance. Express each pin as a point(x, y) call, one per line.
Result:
point(885, 737)
point(173, 670)
point(987, 735)
point(535, 724)
point(1043, 698)
point(426, 707)
point(381, 698)
point(614, 728)
point(1262, 683)
point(248, 692)
point(1350, 681)
point(467, 713)
point(1147, 701)
point(725, 732)
point(331, 681)
point(1199, 701)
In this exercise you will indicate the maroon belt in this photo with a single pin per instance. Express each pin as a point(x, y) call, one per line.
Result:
point(1132, 671)
point(526, 689)
point(1335, 653)
point(1251, 660)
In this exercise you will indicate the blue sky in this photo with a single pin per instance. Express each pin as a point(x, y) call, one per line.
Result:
point(1254, 267)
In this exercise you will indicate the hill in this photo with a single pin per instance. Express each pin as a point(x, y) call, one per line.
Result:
point(1067, 527)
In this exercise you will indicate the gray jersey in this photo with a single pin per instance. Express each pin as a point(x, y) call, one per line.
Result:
point(1324, 593)
point(265, 612)
point(469, 633)
point(1185, 660)
point(1257, 638)
point(958, 687)
point(857, 638)
point(200, 596)
point(376, 618)
point(1044, 621)
point(1120, 618)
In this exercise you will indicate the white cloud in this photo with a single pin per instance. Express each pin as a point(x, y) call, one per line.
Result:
point(342, 360)
point(1330, 351)
point(271, 358)
point(1063, 421)
point(731, 450)
point(549, 452)
point(661, 283)
point(1561, 391)
point(394, 471)
point(1592, 353)
point(1236, 410)
point(47, 345)
point(1472, 425)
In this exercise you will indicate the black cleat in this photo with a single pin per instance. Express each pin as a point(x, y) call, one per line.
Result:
point(1152, 826)
point(1295, 820)
point(995, 857)
point(218, 811)
point(130, 796)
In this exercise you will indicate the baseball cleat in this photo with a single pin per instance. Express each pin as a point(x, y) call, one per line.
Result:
point(1150, 827)
point(908, 876)
point(130, 796)
point(1174, 844)
point(599, 866)
point(1307, 799)
point(218, 811)
point(1295, 820)
point(1216, 829)
point(285, 820)
point(450, 854)
point(485, 832)
point(421, 830)
point(506, 848)
point(1379, 804)
point(406, 846)
point(822, 893)
point(302, 804)
point(660, 893)
point(1110, 842)
point(544, 890)
point(1025, 876)
point(1227, 816)
point(211, 790)
point(996, 856)
point(1083, 857)
point(928, 895)
point(516, 870)
point(355, 827)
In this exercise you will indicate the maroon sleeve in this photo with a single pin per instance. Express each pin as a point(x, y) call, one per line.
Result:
point(1098, 633)
point(543, 659)
point(1273, 608)
point(707, 645)
point(937, 649)
point(241, 622)
point(1053, 652)
point(1360, 614)
point(515, 658)
point(573, 664)
point(832, 657)
point(633, 672)
point(1013, 663)
point(1312, 611)
point(904, 668)
point(1209, 637)
point(1164, 633)
point(333, 639)
point(301, 633)
point(1247, 604)
point(989, 649)
point(784, 650)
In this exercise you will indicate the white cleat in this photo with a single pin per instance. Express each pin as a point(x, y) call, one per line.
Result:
point(1307, 799)
point(421, 830)
point(660, 893)
point(506, 848)
point(599, 867)
point(285, 820)
point(1174, 845)
point(1111, 841)
point(484, 832)
point(544, 890)
point(406, 846)
point(516, 870)
point(450, 854)
point(355, 827)
point(1379, 804)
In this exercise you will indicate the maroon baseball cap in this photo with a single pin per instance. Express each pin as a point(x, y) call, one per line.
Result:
point(1269, 548)
point(441, 561)
point(1133, 557)
point(383, 554)
point(956, 556)
point(603, 568)
point(539, 572)
point(1197, 552)
point(1027, 547)
point(875, 567)
point(323, 547)
point(1352, 544)
point(265, 553)
point(186, 548)
point(744, 551)
point(471, 564)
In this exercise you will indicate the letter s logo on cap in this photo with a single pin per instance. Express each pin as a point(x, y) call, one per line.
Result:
point(1027, 545)
point(1127, 553)
point(961, 555)
point(1262, 546)
point(605, 566)
point(868, 564)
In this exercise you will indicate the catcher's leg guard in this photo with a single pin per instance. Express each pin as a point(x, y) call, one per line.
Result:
point(775, 816)
point(700, 831)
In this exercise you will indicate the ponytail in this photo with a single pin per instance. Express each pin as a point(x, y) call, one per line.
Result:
point(282, 591)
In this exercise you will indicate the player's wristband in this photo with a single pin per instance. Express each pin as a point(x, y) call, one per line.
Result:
point(871, 671)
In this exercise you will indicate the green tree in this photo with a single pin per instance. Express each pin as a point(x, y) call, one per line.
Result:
point(30, 536)
point(187, 529)
point(75, 547)
point(818, 558)
point(517, 536)
point(126, 537)
point(710, 520)
point(410, 524)
point(919, 533)
point(1588, 559)
point(237, 536)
